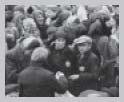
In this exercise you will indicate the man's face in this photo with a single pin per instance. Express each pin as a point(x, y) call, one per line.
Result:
point(31, 30)
point(83, 47)
point(60, 43)
point(10, 34)
point(40, 18)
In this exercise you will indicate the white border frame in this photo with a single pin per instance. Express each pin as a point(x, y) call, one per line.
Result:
point(55, 2)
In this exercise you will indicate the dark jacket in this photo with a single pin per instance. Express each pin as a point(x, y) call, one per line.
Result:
point(58, 58)
point(105, 47)
point(109, 52)
point(14, 64)
point(36, 81)
point(87, 78)
point(91, 64)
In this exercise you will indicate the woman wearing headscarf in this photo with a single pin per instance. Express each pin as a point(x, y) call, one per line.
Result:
point(61, 57)
point(18, 21)
point(40, 19)
point(30, 27)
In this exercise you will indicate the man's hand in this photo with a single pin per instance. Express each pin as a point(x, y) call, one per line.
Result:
point(81, 68)
point(74, 77)
point(59, 74)
point(68, 64)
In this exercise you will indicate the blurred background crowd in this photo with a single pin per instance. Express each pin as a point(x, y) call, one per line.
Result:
point(62, 50)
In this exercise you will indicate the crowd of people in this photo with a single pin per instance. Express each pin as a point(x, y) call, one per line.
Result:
point(62, 50)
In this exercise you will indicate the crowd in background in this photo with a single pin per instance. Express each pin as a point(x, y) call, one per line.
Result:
point(57, 50)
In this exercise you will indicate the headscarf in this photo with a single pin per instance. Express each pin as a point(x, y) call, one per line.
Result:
point(29, 26)
point(37, 12)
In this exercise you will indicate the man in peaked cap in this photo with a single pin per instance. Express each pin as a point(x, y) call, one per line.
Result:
point(85, 74)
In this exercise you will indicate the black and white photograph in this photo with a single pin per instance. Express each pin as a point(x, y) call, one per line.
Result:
point(62, 50)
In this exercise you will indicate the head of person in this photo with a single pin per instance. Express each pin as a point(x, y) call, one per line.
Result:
point(51, 32)
point(19, 8)
point(60, 39)
point(29, 27)
point(60, 43)
point(10, 38)
point(18, 20)
point(105, 20)
point(28, 45)
point(8, 16)
point(29, 10)
point(83, 44)
point(50, 12)
point(13, 27)
point(40, 55)
point(39, 17)
point(62, 17)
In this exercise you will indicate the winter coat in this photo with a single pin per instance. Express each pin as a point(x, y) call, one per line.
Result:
point(88, 78)
point(14, 64)
point(36, 81)
point(58, 59)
